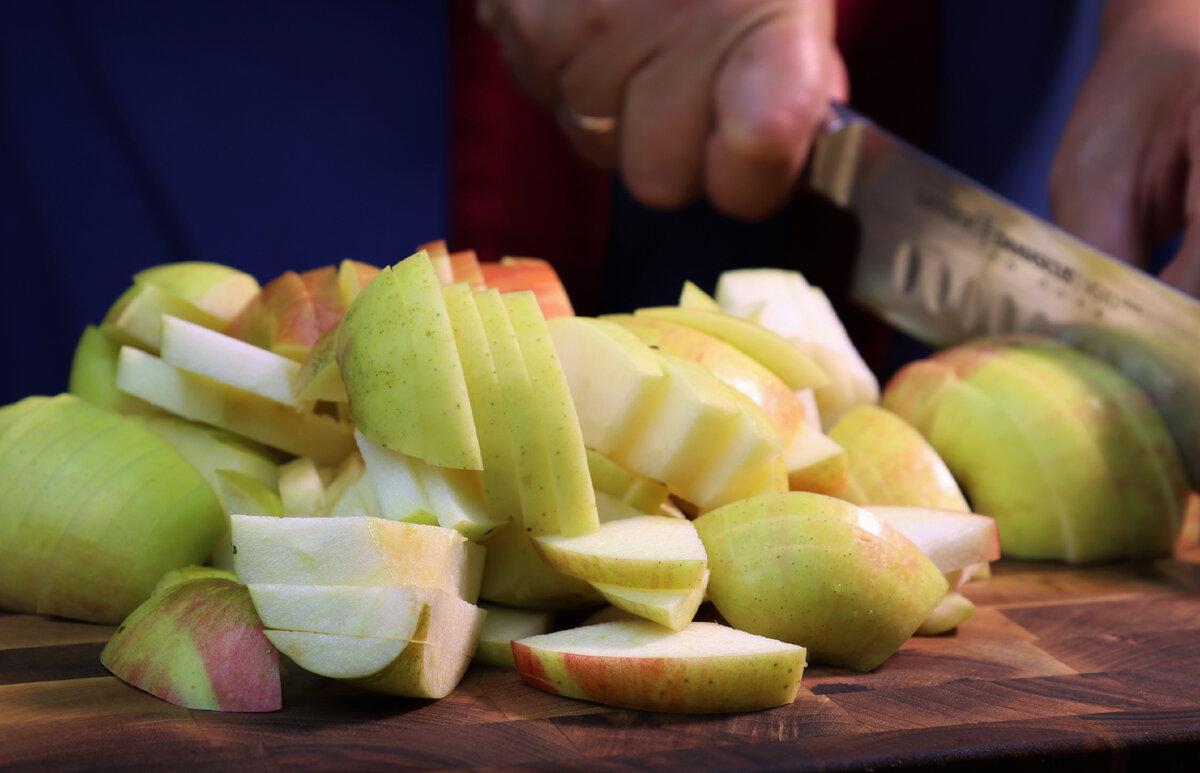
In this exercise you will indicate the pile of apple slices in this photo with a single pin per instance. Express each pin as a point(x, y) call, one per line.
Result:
point(393, 452)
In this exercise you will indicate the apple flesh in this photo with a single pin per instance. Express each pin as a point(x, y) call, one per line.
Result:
point(514, 574)
point(640, 665)
point(816, 570)
point(198, 644)
point(502, 626)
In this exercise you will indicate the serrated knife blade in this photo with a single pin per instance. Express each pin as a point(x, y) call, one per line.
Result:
point(944, 259)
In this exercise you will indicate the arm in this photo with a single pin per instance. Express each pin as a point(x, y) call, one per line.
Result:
point(715, 97)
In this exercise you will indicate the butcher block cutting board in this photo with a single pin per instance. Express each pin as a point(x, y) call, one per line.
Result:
point(1061, 668)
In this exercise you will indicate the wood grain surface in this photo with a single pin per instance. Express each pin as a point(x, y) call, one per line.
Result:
point(1062, 668)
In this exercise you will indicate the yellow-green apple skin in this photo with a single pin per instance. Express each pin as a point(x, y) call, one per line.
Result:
point(192, 572)
point(783, 358)
point(1067, 454)
point(891, 463)
point(402, 371)
point(94, 508)
point(818, 571)
point(641, 665)
point(198, 644)
point(725, 361)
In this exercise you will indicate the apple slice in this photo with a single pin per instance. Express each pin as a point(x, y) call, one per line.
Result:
point(318, 377)
point(816, 462)
point(135, 318)
point(214, 288)
point(336, 656)
point(301, 488)
point(954, 610)
point(211, 449)
point(576, 502)
point(355, 551)
point(797, 369)
point(257, 418)
point(692, 297)
point(353, 276)
point(93, 374)
point(450, 436)
point(240, 493)
point(437, 658)
point(616, 380)
point(351, 492)
point(502, 626)
point(725, 361)
point(639, 492)
point(953, 540)
point(375, 611)
point(515, 574)
point(464, 265)
point(673, 609)
point(642, 551)
point(531, 447)
point(810, 568)
point(198, 644)
point(640, 665)
point(513, 274)
point(499, 475)
point(891, 463)
point(223, 358)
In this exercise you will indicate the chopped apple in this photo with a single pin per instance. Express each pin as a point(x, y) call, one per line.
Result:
point(355, 550)
point(318, 377)
point(953, 540)
point(372, 611)
point(816, 462)
point(670, 608)
point(215, 289)
point(641, 665)
point(301, 488)
point(291, 312)
point(692, 297)
point(810, 568)
point(351, 491)
point(953, 610)
point(135, 319)
point(788, 362)
point(639, 492)
point(575, 498)
point(616, 380)
point(198, 644)
point(890, 463)
point(643, 551)
point(515, 574)
point(512, 274)
point(93, 374)
point(201, 399)
point(502, 626)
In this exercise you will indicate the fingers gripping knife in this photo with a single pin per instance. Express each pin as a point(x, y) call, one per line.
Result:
point(944, 259)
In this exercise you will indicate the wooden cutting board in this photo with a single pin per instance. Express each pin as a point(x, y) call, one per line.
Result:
point(1091, 666)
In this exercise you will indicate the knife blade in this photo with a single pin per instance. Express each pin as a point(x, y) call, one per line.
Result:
point(944, 259)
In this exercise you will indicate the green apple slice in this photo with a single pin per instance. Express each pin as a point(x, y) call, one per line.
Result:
point(568, 461)
point(318, 377)
point(750, 463)
point(692, 297)
point(379, 367)
point(135, 319)
point(499, 475)
point(531, 448)
point(217, 289)
point(301, 488)
point(450, 437)
point(639, 492)
point(201, 399)
point(398, 487)
point(336, 656)
point(816, 462)
point(514, 574)
point(641, 665)
point(351, 492)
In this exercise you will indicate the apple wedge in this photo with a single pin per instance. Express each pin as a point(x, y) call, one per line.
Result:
point(514, 274)
point(515, 574)
point(797, 369)
point(643, 551)
point(670, 608)
point(816, 462)
point(198, 644)
point(640, 665)
point(201, 399)
point(502, 626)
point(355, 550)
point(953, 540)
point(371, 611)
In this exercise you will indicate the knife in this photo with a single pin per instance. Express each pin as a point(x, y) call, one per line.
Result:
point(944, 259)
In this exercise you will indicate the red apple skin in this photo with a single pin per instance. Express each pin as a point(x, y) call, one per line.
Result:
point(212, 619)
point(465, 266)
point(511, 274)
point(292, 312)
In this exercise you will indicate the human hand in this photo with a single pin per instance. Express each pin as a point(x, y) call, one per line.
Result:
point(716, 97)
point(1126, 174)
